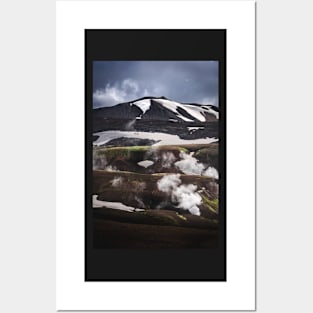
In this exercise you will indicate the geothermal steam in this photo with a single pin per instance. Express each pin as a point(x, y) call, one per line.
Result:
point(169, 182)
point(185, 196)
point(130, 125)
point(191, 166)
point(99, 161)
point(117, 181)
point(168, 159)
point(211, 172)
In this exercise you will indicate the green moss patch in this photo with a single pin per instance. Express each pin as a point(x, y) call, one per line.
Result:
point(212, 205)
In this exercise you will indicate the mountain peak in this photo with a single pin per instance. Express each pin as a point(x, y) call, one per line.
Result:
point(160, 108)
point(149, 98)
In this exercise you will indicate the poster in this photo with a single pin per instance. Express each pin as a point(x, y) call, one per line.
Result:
point(155, 155)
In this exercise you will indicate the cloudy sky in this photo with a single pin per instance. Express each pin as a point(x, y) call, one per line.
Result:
point(184, 81)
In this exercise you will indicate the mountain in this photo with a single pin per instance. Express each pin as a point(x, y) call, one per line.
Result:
point(158, 109)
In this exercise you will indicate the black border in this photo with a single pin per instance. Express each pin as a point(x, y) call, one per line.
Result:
point(161, 264)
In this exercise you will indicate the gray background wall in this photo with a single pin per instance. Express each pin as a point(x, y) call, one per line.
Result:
point(27, 167)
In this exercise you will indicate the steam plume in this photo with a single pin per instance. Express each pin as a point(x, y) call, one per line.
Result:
point(117, 181)
point(185, 196)
point(189, 165)
point(130, 125)
point(211, 172)
point(167, 159)
point(99, 162)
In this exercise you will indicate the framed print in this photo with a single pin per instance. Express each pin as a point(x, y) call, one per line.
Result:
point(155, 155)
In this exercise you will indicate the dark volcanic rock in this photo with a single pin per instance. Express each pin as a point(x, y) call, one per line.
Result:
point(185, 114)
point(121, 111)
point(122, 142)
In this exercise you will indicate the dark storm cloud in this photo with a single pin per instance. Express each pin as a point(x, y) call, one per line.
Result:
point(183, 81)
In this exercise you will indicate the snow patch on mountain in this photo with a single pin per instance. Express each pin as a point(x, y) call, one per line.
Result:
point(143, 105)
point(162, 138)
point(172, 106)
point(197, 112)
point(209, 110)
point(193, 129)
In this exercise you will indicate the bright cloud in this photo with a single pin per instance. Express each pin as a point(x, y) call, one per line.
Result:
point(110, 95)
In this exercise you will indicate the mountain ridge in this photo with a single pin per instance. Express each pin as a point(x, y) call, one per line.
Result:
point(159, 108)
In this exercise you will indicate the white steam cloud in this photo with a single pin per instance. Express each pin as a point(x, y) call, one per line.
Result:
point(99, 162)
point(111, 168)
point(188, 198)
point(140, 202)
point(117, 181)
point(130, 125)
point(168, 159)
point(169, 182)
point(189, 165)
point(153, 154)
point(211, 172)
point(185, 196)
